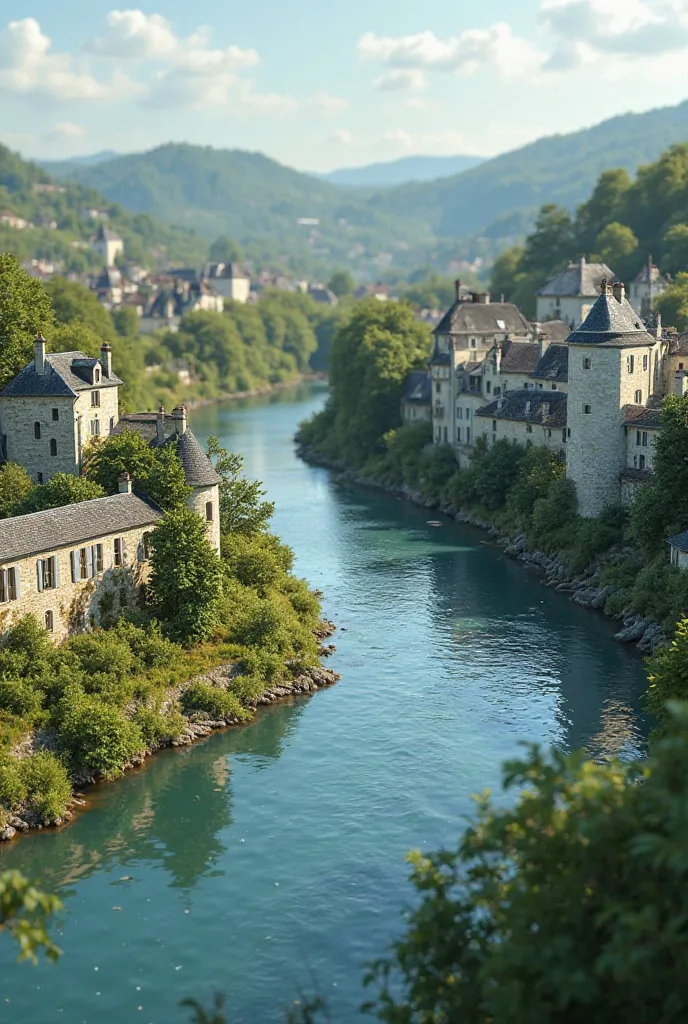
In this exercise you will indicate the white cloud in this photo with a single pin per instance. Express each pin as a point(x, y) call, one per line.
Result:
point(496, 47)
point(401, 78)
point(68, 130)
point(133, 34)
point(28, 68)
point(329, 105)
point(342, 136)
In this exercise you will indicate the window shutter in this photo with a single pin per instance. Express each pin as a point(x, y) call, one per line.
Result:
point(123, 549)
point(4, 596)
point(139, 551)
point(75, 566)
point(89, 563)
point(17, 581)
point(56, 573)
point(39, 575)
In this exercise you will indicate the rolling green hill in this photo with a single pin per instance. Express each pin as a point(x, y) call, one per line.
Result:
point(61, 228)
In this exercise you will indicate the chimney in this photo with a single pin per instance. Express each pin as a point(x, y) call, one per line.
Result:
point(606, 288)
point(179, 416)
point(124, 484)
point(39, 354)
point(619, 290)
point(544, 409)
point(680, 384)
point(106, 358)
point(457, 286)
point(160, 424)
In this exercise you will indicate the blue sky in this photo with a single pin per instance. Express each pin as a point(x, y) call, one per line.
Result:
point(319, 85)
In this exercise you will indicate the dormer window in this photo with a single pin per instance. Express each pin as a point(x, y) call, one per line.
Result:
point(96, 375)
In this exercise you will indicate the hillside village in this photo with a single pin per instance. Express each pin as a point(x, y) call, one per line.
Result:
point(587, 380)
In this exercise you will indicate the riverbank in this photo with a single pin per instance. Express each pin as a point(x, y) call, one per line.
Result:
point(268, 389)
point(586, 588)
point(295, 682)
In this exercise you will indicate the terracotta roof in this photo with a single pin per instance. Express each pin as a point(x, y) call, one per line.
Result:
point(61, 378)
point(641, 416)
point(578, 279)
point(611, 323)
point(22, 536)
point(554, 364)
point(528, 405)
point(483, 318)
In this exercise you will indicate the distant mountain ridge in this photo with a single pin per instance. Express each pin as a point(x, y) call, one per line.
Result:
point(402, 171)
point(280, 213)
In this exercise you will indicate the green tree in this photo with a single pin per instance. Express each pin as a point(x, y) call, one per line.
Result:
point(341, 283)
point(552, 243)
point(675, 249)
point(660, 508)
point(186, 576)
point(157, 472)
point(24, 914)
point(604, 206)
point(242, 509)
point(74, 303)
point(126, 321)
point(15, 484)
point(614, 243)
point(673, 304)
point(569, 905)
point(61, 489)
point(25, 311)
point(226, 250)
point(668, 675)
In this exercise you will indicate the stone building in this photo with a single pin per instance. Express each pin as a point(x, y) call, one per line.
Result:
point(76, 566)
point(526, 416)
point(199, 474)
point(647, 286)
point(416, 399)
point(107, 245)
point(229, 280)
point(570, 295)
point(54, 406)
point(552, 370)
point(678, 547)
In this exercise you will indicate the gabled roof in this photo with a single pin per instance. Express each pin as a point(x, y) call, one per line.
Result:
point(106, 235)
point(580, 279)
point(483, 318)
point(21, 536)
point(61, 378)
point(680, 541)
point(657, 276)
point(519, 357)
point(529, 405)
point(553, 330)
point(554, 364)
point(418, 388)
point(641, 416)
point(611, 323)
point(198, 469)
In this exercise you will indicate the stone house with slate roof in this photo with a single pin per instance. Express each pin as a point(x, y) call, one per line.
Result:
point(526, 416)
point(570, 295)
point(54, 406)
point(416, 399)
point(647, 286)
point(107, 245)
point(74, 566)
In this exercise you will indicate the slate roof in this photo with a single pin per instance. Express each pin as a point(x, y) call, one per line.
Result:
point(519, 357)
point(640, 416)
point(657, 276)
point(440, 358)
point(143, 423)
point(680, 541)
point(418, 388)
point(578, 279)
point(483, 318)
point(611, 323)
point(554, 330)
point(106, 235)
point(61, 378)
point(70, 525)
point(528, 405)
point(198, 469)
point(678, 346)
point(554, 365)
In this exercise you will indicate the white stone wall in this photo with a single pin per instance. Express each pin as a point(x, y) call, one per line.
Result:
point(571, 309)
point(18, 417)
point(640, 442)
point(198, 500)
point(105, 414)
point(412, 412)
point(597, 445)
point(515, 430)
point(76, 606)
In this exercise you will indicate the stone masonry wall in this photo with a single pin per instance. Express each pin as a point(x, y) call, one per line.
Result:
point(17, 419)
point(107, 411)
point(197, 501)
point(75, 606)
point(514, 430)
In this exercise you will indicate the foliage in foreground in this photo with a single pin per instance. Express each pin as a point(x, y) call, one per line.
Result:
point(24, 914)
point(569, 906)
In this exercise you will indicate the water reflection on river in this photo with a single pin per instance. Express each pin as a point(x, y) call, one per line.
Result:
point(273, 855)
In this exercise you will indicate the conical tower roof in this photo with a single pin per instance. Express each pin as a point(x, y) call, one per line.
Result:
point(612, 322)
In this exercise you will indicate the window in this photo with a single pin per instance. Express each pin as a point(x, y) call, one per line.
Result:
point(568, 431)
point(644, 439)
point(645, 363)
point(118, 558)
point(468, 435)
point(630, 363)
point(459, 414)
point(526, 386)
point(49, 622)
point(635, 461)
point(674, 556)
point(494, 425)
point(587, 362)
point(95, 399)
point(488, 386)
point(146, 539)
point(9, 585)
point(680, 366)
point(638, 398)
point(468, 413)
point(53, 446)
point(95, 428)
point(39, 478)
point(458, 434)
point(87, 562)
point(473, 343)
point(529, 428)
point(446, 435)
point(56, 415)
point(587, 409)
point(83, 564)
point(47, 574)
point(96, 375)
point(37, 430)
point(112, 423)
point(438, 387)
point(209, 508)
point(554, 387)
point(641, 462)
point(549, 434)
point(563, 435)
point(637, 439)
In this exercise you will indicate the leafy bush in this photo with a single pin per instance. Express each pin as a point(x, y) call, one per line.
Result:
point(20, 697)
point(554, 516)
point(46, 783)
point(61, 489)
point(15, 484)
point(98, 737)
point(215, 702)
point(156, 725)
point(251, 561)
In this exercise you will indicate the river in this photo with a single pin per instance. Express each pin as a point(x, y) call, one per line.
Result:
point(269, 859)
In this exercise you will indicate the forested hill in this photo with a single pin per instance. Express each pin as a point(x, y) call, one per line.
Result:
point(260, 202)
point(61, 227)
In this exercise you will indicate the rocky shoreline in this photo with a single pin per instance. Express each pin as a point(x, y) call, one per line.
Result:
point(198, 726)
point(585, 589)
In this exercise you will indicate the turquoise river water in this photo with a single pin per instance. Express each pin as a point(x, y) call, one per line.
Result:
point(269, 860)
